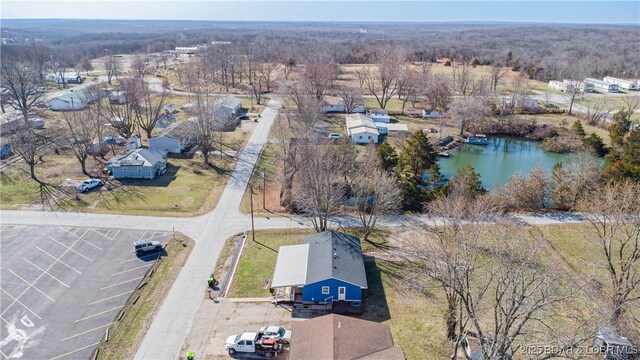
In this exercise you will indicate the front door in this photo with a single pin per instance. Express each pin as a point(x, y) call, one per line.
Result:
point(342, 292)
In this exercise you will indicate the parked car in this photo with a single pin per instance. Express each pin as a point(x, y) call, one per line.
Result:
point(251, 342)
point(551, 106)
point(276, 333)
point(334, 136)
point(141, 246)
point(88, 185)
point(243, 117)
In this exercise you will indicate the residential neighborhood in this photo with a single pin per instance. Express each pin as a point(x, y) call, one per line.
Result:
point(301, 180)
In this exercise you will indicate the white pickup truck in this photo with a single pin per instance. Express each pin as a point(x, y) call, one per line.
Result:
point(251, 342)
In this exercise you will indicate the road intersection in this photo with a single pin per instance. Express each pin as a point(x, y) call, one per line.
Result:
point(174, 319)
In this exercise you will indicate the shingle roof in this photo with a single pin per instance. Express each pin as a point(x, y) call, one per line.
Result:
point(177, 130)
point(138, 157)
point(335, 255)
point(342, 337)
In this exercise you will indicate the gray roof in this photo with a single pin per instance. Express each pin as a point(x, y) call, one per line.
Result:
point(178, 130)
point(230, 101)
point(611, 338)
point(138, 157)
point(335, 255)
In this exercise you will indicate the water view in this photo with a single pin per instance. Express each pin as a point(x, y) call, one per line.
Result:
point(501, 159)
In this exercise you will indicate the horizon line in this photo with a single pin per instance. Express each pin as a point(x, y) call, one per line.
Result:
point(337, 21)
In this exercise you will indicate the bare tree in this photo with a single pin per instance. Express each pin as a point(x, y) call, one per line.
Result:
point(351, 97)
point(150, 105)
point(123, 117)
point(376, 194)
point(597, 112)
point(632, 103)
point(437, 91)
point(613, 214)
point(112, 67)
point(38, 54)
point(466, 111)
point(497, 73)
point(320, 192)
point(139, 65)
point(317, 78)
point(267, 73)
point(21, 81)
point(383, 81)
point(82, 129)
point(409, 85)
point(32, 146)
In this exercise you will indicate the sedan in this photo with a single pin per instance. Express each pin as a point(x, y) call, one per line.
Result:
point(276, 333)
point(88, 185)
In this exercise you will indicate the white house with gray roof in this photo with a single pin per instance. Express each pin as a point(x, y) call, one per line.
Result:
point(138, 164)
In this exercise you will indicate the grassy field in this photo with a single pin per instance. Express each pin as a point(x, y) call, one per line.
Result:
point(187, 188)
point(567, 249)
point(615, 103)
point(126, 335)
point(557, 120)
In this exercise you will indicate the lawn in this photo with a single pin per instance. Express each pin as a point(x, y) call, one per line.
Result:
point(615, 103)
point(557, 120)
point(417, 317)
point(126, 334)
point(258, 259)
point(187, 188)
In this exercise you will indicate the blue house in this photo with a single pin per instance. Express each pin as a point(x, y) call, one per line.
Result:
point(326, 271)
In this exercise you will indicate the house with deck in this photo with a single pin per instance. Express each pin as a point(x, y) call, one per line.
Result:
point(325, 272)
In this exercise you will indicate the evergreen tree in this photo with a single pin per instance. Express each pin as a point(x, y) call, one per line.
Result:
point(413, 196)
point(467, 181)
point(631, 155)
point(388, 156)
point(578, 129)
point(595, 143)
point(416, 155)
point(619, 128)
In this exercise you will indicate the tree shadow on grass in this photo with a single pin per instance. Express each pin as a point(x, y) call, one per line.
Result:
point(375, 299)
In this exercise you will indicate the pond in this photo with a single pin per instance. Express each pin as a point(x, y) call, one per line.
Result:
point(502, 158)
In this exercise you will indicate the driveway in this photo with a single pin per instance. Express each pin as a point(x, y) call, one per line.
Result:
point(231, 317)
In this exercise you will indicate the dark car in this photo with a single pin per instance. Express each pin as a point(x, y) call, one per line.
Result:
point(243, 117)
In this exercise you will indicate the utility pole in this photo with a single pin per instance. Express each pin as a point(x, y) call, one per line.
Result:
point(253, 230)
point(264, 191)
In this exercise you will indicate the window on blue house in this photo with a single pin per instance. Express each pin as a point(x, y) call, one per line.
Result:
point(325, 290)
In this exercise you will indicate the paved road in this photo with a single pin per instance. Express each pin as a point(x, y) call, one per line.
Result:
point(175, 317)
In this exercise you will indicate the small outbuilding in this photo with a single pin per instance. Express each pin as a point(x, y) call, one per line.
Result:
point(341, 337)
point(612, 345)
point(175, 138)
point(379, 115)
point(138, 164)
point(432, 114)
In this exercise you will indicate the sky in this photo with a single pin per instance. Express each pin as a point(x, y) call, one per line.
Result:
point(570, 12)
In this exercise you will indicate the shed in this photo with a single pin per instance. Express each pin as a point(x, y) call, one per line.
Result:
point(341, 337)
point(175, 138)
point(612, 345)
point(432, 114)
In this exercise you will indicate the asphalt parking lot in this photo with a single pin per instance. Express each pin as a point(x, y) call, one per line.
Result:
point(61, 287)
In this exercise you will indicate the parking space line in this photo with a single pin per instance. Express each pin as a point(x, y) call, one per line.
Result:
point(110, 297)
point(135, 268)
point(34, 281)
point(58, 260)
point(106, 236)
point(81, 239)
point(46, 272)
point(5, 320)
point(98, 314)
point(4, 237)
point(123, 282)
point(141, 257)
point(30, 285)
point(70, 249)
point(143, 235)
point(86, 332)
point(74, 351)
point(18, 301)
point(3, 354)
